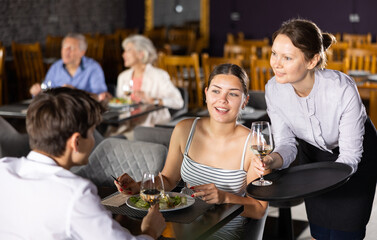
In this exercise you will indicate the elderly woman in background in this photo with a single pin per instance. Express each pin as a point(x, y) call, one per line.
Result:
point(147, 83)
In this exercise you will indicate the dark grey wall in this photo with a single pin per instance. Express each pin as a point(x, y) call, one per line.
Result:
point(258, 19)
point(32, 20)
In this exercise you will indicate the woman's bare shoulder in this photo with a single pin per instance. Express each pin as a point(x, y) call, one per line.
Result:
point(184, 126)
point(243, 129)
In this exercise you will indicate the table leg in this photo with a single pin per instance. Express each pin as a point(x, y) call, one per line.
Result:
point(285, 226)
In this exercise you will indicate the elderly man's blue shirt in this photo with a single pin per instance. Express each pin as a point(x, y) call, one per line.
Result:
point(89, 76)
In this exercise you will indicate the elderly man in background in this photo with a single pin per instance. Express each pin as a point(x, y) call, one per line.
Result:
point(75, 70)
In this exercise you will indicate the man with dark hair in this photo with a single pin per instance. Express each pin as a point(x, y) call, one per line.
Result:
point(40, 196)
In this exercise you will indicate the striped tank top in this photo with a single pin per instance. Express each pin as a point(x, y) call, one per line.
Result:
point(193, 173)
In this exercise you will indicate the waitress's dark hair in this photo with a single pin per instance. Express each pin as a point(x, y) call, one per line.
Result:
point(231, 69)
point(306, 36)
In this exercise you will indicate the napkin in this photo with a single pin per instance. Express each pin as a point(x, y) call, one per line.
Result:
point(115, 200)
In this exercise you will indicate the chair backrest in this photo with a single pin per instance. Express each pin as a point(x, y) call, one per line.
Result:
point(29, 66)
point(209, 63)
point(159, 135)
point(355, 39)
point(368, 91)
point(182, 38)
point(360, 59)
point(114, 156)
point(337, 51)
point(96, 47)
point(238, 50)
point(53, 46)
point(176, 113)
point(12, 143)
point(123, 33)
point(263, 52)
point(2, 72)
point(185, 73)
point(257, 100)
point(158, 36)
point(260, 73)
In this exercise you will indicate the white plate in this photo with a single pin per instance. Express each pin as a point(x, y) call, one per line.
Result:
point(358, 73)
point(372, 77)
point(119, 105)
point(190, 201)
point(247, 110)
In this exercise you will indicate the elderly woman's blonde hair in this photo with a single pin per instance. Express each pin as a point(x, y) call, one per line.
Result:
point(142, 44)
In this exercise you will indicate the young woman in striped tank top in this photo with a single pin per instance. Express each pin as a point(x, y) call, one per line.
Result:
point(213, 154)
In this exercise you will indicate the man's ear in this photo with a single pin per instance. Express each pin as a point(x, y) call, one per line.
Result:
point(73, 141)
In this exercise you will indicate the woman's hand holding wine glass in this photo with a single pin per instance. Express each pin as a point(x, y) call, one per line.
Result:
point(262, 145)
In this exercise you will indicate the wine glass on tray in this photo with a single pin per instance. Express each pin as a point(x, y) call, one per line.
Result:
point(261, 145)
point(151, 188)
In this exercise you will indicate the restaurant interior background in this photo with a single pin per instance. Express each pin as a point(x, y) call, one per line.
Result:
point(26, 21)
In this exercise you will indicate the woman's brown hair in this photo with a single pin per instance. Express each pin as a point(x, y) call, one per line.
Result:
point(306, 36)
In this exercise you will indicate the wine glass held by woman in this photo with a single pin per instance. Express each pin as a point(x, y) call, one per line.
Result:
point(213, 154)
point(261, 145)
point(321, 110)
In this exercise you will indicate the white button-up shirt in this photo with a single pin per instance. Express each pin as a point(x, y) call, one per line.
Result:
point(41, 200)
point(331, 115)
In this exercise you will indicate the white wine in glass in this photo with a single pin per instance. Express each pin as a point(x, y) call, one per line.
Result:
point(127, 90)
point(151, 188)
point(261, 145)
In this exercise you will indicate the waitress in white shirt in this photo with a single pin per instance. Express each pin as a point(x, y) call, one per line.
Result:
point(322, 111)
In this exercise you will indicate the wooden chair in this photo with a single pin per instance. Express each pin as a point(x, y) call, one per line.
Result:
point(237, 50)
point(29, 66)
point(260, 73)
point(125, 32)
point(335, 65)
point(53, 47)
point(2, 72)
point(96, 47)
point(185, 73)
point(157, 35)
point(235, 38)
point(368, 93)
point(263, 52)
point(182, 41)
point(209, 63)
point(337, 51)
point(360, 59)
point(355, 39)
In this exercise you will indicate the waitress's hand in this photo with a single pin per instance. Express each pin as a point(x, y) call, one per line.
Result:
point(271, 161)
point(261, 166)
point(127, 185)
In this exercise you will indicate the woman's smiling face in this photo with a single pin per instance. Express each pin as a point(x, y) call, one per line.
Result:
point(225, 97)
point(287, 61)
